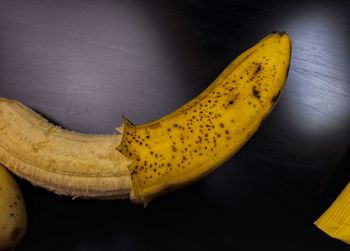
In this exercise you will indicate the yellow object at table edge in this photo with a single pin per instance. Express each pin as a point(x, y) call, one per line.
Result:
point(335, 221)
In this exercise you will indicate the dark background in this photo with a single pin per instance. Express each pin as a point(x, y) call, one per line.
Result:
point(84, 63)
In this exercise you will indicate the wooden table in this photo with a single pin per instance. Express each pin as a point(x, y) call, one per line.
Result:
point(84, 63)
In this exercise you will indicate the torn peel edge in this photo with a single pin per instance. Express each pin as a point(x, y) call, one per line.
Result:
point(124, 128)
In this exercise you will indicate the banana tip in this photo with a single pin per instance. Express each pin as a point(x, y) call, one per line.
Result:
point(281, 33)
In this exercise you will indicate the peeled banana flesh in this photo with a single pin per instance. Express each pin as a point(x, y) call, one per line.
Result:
point(145, 161)
point(65, 162)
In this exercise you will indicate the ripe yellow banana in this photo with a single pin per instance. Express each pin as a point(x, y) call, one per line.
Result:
point(148, 160)
point(13, 216)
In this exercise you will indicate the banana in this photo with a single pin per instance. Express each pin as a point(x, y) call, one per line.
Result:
point(335, 221)
point(68, 163)
point(150, 159)
point(13, 215)
point(191, 142)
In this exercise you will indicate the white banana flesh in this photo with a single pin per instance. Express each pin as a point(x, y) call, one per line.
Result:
point(65, 162)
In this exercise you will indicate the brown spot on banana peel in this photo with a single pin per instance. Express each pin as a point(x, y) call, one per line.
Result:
point(255, 92)
point(275, 97)
point(196, 158)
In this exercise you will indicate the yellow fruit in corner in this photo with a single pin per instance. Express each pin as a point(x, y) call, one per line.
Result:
point(13, 216)
point(145, 161)
point(335, 221)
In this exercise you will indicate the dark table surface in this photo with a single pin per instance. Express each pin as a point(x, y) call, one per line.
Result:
point(84, 63)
